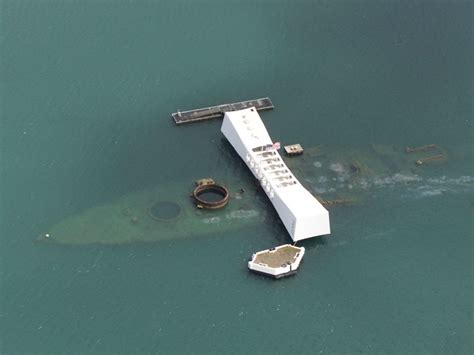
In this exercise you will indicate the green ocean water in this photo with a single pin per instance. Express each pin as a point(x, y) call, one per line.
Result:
point(86, 92)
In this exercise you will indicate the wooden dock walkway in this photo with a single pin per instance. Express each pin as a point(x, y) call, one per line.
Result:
point(206, 113)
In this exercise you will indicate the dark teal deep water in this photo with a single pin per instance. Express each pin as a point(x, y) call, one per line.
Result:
point(86, 92)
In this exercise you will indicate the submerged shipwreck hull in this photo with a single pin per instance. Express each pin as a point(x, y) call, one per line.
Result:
point(336, 177)
point(156, 214)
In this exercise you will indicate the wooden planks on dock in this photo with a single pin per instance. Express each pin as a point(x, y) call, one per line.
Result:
point(206, 113)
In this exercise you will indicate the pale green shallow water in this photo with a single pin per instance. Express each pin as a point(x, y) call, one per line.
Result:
point(86, 92)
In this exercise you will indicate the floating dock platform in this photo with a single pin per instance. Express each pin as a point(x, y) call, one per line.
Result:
point(206, 113)
point(278, 262)
point(294, 149)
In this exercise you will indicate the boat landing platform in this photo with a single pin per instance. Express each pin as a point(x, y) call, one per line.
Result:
point(206, 113)
point(277, 262)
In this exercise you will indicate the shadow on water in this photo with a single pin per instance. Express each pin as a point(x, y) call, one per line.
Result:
point(314, 243)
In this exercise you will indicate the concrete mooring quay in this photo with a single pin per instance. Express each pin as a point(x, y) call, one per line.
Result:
point(206, 113)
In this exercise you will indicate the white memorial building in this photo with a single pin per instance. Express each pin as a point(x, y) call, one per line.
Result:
point(301, 213)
